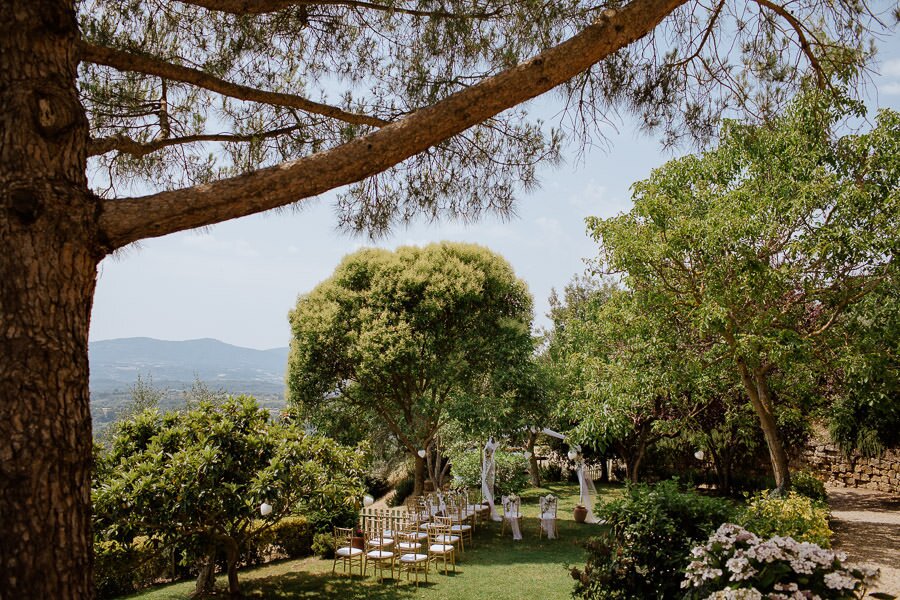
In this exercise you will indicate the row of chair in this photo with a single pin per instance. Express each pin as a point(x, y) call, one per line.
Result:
point(408, 548)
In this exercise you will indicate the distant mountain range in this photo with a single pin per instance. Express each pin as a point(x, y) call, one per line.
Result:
point(173, 367)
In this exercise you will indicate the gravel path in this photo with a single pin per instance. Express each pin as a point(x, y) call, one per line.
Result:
point(866, 526)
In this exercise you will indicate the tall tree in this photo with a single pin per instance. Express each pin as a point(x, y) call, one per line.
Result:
point(214, 103)
point(760, 245)
point(405, 335)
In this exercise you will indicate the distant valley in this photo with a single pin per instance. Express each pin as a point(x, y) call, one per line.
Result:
point(175, 366)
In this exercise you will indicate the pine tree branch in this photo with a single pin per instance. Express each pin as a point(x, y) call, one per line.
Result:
point(258, 7)
point(799, 28)
point(144, 63)
point(127, 220)
point(127, 145)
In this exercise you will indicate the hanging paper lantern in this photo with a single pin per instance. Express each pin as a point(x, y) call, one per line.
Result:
point(527, 454)
point(265, 508)
point(421, 453)
point(573, 454)
point(699, 454)
point(368, 500)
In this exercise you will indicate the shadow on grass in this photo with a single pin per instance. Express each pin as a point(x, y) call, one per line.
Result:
point(303, 584)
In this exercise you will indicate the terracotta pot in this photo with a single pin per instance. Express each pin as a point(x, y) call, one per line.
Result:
point(358, 542)
point(580, 514)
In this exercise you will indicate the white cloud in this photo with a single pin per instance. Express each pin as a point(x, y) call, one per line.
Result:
point(209, 244)
point(890, 68)
point(549, 227)
point(292, 249)
point(891, 88)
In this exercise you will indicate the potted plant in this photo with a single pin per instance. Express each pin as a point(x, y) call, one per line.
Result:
point(359, 539)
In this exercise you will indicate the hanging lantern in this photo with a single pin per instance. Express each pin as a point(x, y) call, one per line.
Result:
point(421, 453)
point(699, 454)
point(573, 454)
point(368, 500)
point(527, 455)
point(265, 509)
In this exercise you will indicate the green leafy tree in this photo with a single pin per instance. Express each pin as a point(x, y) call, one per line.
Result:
point(631, 384)
point(864, 377)
point(408, 335)
point(127, 120)
point(759, 246)
point(197, 479)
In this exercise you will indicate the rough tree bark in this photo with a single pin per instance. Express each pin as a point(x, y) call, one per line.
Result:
point(48, 266)
point(55, 232)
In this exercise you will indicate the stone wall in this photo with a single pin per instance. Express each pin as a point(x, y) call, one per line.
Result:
point(827, 461)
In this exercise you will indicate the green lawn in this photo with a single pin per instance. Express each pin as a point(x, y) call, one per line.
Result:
point(496, 568)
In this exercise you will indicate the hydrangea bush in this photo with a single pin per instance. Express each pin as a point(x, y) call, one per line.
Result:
point(736, 564)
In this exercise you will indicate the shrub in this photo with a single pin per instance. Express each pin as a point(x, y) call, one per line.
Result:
point(552, 472)
point(120, 569)
point(650, 531)
point(112, 569)
point(376, 486)
point(323, 545)
point(795, 516)
point(403, 491)
point(511, 475)
point(324, 521)
point(807, 484)
point(293, 536)
point(735, 563)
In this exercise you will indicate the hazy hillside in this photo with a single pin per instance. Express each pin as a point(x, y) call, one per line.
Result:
point(174, 366)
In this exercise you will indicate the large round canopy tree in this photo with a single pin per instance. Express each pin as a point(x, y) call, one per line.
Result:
point(186, 113)
point(408, 335)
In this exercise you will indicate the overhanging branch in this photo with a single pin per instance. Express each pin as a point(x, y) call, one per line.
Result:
point(258, 7)
point(143, 63)
point(128, 220)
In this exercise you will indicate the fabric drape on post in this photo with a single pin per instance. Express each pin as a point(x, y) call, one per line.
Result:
point(488, 474)
point(587, 491)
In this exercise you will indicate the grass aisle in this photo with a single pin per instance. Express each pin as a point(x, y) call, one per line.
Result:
point(497, 568)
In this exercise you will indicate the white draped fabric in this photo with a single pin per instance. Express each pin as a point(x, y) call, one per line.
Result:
point(488, 474)
point(548, 506)
point(512, 514)
point(587, 491)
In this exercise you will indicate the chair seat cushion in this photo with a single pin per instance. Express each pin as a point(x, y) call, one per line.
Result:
point(348, 551)
point(425, 526)
point(457, 528)
point(379, 554)
point(440, 548)
point(381, 541)
point(447, 539)
point(408, 546)
point(413, 558)
point(421, 535)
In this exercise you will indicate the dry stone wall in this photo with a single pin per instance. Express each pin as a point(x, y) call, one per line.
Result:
point(882, 474)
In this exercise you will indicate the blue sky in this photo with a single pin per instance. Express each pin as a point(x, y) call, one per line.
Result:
point(237, 280)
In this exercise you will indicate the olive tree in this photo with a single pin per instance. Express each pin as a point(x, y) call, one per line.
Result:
point(411, 336)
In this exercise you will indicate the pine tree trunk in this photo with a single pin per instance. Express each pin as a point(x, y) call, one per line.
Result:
point(48, 224)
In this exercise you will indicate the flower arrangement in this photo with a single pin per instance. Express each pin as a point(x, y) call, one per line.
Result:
point(736, 564)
